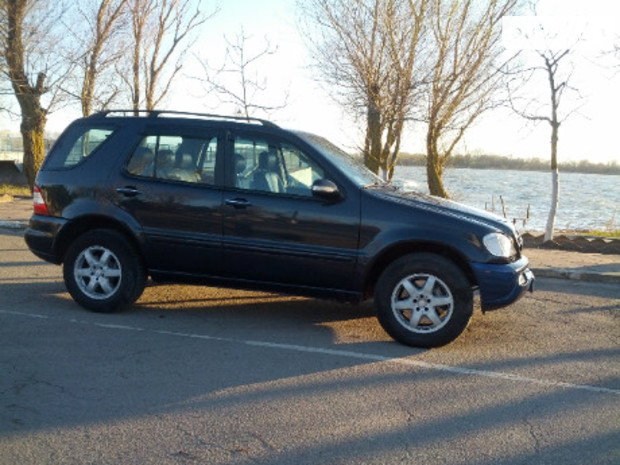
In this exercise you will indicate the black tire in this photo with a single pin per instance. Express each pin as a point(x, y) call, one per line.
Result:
point(103, 272)
point(423, 300)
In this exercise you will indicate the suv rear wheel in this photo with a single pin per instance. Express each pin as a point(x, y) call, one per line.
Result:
point(423, 300)
point(103, 272)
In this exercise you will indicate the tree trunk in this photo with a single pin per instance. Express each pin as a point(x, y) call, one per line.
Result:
point(435, 183)
point(555, 196)
point(372, 152)
point(135, 68)
point(28, 96)
point(32, 130)
point(555, 181)
point(434, 166)
point(88, 84)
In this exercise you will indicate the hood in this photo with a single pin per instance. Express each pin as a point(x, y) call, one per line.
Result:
point(445, 207)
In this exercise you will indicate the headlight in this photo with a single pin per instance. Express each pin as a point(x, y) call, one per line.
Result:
point(499, 245)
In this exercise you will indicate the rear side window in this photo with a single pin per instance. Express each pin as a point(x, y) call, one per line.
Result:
point(77, 144)
point(175, 158)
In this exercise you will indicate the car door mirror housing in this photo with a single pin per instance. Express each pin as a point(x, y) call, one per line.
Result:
point(326, 189)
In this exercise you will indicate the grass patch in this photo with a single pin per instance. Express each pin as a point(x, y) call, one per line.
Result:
point(15, 190)
point(615, 233)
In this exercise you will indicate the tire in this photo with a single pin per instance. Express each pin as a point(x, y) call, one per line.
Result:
point(103, 272)
point(423, 300)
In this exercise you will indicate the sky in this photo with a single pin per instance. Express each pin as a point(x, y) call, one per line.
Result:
point(589, 132)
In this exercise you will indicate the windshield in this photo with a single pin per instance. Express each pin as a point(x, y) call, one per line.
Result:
point(351, 166)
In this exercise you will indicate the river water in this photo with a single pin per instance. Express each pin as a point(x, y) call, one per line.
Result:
point(587, 201)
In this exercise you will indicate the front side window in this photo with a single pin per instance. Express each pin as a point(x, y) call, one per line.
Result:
point(175, 158)
point(78, 144)
point(353, 167)
point(279, 168)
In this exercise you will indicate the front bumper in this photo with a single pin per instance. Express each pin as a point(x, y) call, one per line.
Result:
point(501, 285)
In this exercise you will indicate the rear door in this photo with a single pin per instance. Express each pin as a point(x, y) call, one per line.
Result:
point(171, 184)
point(274, 230)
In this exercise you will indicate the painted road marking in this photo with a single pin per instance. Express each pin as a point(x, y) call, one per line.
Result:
point(335, 353)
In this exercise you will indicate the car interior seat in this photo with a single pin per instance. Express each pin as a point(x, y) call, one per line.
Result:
point(266, 177)
point(165, 163)
point(240, 166)
point(141, 162)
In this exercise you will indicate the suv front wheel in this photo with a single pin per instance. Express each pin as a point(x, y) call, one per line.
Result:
point(423, 300)
point(103, 272)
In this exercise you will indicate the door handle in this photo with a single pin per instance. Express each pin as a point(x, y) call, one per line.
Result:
point(238, 203)
point(128, 191)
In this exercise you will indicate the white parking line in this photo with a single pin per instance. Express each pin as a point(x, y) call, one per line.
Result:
point(338, 353)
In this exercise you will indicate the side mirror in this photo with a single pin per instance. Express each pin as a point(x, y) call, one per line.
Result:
point(325, 189)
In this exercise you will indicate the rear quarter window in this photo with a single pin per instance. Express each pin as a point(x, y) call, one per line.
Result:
point(77, 144)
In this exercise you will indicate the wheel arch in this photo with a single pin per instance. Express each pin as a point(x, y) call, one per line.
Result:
point(83, 224)
point(387, 256)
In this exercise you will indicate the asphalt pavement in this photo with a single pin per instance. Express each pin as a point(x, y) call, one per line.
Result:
point(204, 375)
point(580, 266)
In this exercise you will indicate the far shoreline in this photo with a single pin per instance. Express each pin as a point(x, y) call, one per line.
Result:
point(500, 162)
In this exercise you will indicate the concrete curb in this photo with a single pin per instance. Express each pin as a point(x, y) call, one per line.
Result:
point(13, 224)
point(561, 273)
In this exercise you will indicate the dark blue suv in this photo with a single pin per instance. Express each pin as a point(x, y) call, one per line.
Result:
point(243, 203)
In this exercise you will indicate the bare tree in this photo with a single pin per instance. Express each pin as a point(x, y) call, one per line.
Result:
point(161, 31)
point(367, 51)
point(141, 10)
point(100, 55)
point(467, 64)
point(557, 83)
point(238, 81)
point(556, 89)
point(26, 56)
point(551, 49)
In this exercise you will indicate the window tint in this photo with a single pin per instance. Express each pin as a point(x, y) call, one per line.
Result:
point(78, 144)
point(273, 167)
point(175, 158)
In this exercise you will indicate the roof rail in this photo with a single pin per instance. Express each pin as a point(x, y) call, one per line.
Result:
point(157, 113)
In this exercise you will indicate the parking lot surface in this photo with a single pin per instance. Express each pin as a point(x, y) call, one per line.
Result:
point(206, 375)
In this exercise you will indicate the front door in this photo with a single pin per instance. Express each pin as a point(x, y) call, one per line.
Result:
point(274, 230)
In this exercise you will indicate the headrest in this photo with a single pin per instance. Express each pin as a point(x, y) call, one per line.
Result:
point(240, 163)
